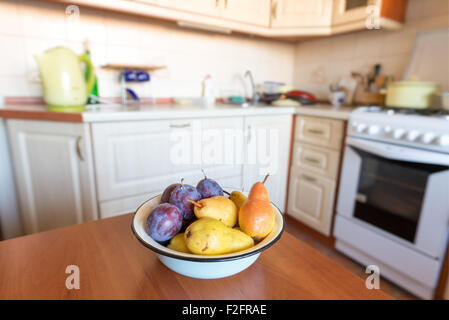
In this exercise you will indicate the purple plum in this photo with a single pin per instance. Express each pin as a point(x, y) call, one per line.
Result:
point(164, 222)
point(180, 197)
point(209, 188)
point(165, 198)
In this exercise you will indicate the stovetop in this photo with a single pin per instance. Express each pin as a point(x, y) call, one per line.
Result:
point(424, 129)
point(436, 113)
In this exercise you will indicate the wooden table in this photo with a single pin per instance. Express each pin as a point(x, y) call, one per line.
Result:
point(114, 265)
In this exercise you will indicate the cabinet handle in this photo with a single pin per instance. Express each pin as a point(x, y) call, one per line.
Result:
point(78, 148)
point(313, 160)
point(249, 134)
point(226, 4)
point(315, 131)
point(308, 178)
point(217, 2)
point(179, 126)
point(274, 11)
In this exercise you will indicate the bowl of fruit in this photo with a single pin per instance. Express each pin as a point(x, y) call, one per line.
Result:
point(207, 232)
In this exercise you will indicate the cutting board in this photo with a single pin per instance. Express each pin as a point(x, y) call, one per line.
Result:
point(430, 58)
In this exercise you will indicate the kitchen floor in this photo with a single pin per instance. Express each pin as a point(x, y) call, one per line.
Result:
point(354, 267)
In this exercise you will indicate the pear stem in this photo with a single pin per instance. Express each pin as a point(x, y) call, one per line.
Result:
point(266, 177)
point(196, 204)
point(182, 183)
point(202, 170)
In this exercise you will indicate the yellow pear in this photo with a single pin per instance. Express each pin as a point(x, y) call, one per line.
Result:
point(238, 198)
point(219, 207)
point(178, 243)
point(208, 236)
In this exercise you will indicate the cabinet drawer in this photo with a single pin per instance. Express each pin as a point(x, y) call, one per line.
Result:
point(117, 207)
point(311, 200)
point(143, 157)
point(319, 131)
point(316, 159)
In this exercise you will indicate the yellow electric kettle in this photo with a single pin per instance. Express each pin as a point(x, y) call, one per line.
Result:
point(65, 88)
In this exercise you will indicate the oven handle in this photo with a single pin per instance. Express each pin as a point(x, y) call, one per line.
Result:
point(393, 152)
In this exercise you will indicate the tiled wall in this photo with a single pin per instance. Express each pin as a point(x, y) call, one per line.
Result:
point(320, 62)
point(30, 27)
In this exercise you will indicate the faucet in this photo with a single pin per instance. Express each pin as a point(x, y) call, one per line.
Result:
point(255, 98)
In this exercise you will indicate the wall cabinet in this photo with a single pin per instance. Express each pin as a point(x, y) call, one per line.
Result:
point(207, 7)
point(54, 173)
point(301, 13)
point(281, 19)
point(314, 171)
point(255, 12)
point(349, 15)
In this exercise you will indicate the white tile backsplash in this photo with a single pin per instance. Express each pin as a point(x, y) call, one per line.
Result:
point(30, 27)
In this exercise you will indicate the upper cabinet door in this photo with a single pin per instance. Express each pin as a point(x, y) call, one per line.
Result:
point(347, 11)
point(301, 13)
point(206, 7)
point(255, 12)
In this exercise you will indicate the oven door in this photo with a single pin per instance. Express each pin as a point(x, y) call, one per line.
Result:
point(398, 191)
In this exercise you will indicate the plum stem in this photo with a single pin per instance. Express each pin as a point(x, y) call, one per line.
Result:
point(266, 177)
point(204, 173)
point(196, 204)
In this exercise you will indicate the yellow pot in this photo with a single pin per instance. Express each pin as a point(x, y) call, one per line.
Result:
point(411, 94)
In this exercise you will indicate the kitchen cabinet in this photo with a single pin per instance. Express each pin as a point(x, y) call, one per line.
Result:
point(351, 15)
point(268, 144)
point(313, 200)
point(314, 171)
point(206, 7)
point(280, 19)
point(142, 158)
point(54, 172)
point(255, 12)
point(318, 131)
point(301, 13)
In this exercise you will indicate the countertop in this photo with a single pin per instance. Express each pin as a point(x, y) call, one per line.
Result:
point(119, 112)
point(114, 265)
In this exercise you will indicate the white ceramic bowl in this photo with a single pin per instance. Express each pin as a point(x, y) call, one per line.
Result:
point(197, 266)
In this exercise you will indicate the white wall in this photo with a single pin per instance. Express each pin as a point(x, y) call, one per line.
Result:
point(30, 27)
point(320, 62)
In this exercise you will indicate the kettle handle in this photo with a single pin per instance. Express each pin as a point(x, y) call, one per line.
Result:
point(90, 82)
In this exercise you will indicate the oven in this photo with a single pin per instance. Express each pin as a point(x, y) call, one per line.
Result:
point(398, 192)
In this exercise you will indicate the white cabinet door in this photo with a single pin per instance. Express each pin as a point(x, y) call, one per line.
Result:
point(248, 11)
point(311, 199)
point(301, 13)
point(206, 7)
point(267, 151)
point(54, 173)
point(133, 158)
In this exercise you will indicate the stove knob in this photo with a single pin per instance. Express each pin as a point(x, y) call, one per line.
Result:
point(374, 130)
point(442, 140)
point(398, 133)
point(361, 128)
point(412, 135)
point(427, 138)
